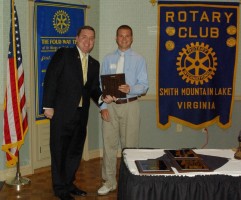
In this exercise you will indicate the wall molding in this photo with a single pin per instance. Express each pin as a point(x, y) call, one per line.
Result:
point(10, 173)
point(98, 153)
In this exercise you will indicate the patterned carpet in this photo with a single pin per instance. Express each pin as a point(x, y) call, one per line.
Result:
point(88, 178)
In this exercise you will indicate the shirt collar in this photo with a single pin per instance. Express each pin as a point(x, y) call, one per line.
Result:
point(126, 52)
point(81, 53)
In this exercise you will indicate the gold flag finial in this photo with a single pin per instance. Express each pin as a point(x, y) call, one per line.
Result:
point(153, 2)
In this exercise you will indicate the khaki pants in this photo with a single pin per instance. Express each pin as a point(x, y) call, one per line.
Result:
point(123, 128)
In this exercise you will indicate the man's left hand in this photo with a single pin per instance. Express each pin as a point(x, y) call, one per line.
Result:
point(124, 88)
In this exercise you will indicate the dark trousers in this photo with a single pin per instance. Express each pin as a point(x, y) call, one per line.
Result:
point(66, 147)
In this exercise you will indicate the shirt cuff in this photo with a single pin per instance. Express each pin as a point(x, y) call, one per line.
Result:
point(100, 102)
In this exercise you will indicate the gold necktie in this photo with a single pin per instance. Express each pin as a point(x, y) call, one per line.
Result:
point(84, 67)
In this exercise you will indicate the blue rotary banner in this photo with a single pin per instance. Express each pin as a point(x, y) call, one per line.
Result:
point(55, 25)
point(197, 59)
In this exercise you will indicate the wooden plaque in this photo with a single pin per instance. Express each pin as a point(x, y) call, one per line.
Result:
point(186, 160)
point(153, 166)
point(110, 84)
point(190, 165)
point(181, 153)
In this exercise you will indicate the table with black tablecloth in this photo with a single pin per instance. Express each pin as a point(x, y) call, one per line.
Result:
point(222, 183)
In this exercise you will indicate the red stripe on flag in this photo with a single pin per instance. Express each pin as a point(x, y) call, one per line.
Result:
point(22, 102)
point(14, 91)
point(7, 138)
point(25, 124)
point(20, 80)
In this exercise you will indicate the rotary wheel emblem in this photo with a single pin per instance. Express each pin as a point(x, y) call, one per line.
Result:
point(197, 63)
point(61, 22)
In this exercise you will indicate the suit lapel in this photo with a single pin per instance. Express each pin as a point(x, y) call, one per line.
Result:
point(89, 67)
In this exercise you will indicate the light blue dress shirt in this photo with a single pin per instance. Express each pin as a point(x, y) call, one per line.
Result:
point(135, 69)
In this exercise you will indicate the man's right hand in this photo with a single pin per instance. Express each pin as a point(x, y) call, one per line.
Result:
point(105, 115)
point(49, 112)
point(107, 99)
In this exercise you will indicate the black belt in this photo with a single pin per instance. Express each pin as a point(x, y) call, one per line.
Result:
point(121, 101)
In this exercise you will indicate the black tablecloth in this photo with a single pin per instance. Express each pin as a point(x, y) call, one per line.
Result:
point(208, 187)
point(1, 185)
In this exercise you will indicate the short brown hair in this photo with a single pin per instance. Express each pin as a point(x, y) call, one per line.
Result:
point(85, 27)
point(124, 27)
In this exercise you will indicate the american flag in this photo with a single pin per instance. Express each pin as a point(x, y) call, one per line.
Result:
point(15, 124)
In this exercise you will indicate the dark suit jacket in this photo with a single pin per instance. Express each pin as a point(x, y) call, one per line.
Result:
point(63, 84)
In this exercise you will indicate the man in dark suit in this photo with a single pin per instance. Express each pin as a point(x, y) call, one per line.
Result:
point(71, 79)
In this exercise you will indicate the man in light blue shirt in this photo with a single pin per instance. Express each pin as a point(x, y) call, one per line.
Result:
point(121, 119)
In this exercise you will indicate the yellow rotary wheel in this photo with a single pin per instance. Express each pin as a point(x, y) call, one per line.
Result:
point(197, 63)
point(61, 22)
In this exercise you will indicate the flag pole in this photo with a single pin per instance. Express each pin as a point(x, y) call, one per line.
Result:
point(18, 180)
